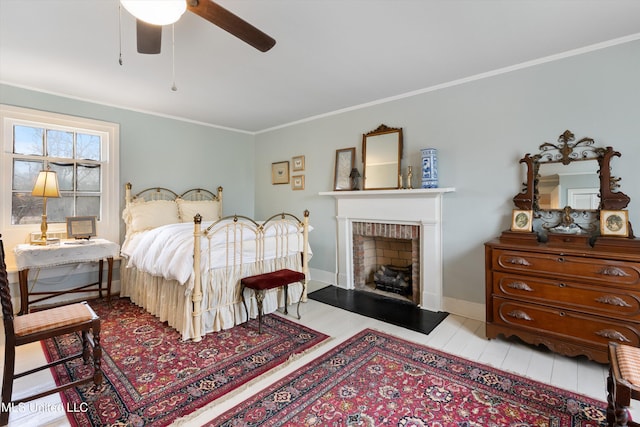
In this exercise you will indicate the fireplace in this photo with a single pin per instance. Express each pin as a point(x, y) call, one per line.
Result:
point(381, 252)
point(419, 209)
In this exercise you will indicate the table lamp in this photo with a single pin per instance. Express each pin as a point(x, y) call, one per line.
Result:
point(46, 186)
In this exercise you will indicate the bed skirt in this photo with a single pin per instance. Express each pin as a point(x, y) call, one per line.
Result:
point(221, 304)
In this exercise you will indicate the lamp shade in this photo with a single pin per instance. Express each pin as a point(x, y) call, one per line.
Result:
point(46, 185)
point(156, 12)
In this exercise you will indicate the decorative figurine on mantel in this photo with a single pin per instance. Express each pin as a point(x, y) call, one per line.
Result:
point(409, 177)
point(355, 176)
point(429, 168)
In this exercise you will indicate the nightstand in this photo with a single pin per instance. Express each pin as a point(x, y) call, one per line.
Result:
point(67, 252)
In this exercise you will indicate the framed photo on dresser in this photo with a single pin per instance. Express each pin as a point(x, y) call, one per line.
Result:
point(522, 220)
point(614, 223)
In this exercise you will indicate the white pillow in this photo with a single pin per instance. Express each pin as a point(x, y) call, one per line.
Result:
point(209, 210)
point(147, 215)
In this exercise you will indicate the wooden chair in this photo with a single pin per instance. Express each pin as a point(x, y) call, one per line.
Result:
point(33, 327)
point(623, 383)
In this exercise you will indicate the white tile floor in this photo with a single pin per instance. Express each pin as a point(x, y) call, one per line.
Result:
point(456, 335)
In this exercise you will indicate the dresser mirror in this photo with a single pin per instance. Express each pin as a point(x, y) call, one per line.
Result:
point(567, 184)
point(381, 157)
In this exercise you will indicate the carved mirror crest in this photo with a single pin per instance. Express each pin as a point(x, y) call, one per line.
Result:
point(568, 183)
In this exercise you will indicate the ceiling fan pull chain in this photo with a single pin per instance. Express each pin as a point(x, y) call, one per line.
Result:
point(173, 56)
point(120, 32)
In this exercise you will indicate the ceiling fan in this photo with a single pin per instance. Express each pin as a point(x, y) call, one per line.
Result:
point(149, 22)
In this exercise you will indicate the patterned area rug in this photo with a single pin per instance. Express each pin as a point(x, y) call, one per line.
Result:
point(375, 379)
point(153, 377)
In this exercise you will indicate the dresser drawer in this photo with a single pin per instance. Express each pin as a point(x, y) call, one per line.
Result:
point(595, 270)
point(570, 295)
point(564, 324)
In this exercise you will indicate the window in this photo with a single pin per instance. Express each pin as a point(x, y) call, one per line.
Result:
point(76, 158)
point(83, 153)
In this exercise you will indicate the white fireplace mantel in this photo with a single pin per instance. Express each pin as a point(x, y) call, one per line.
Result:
point(422, 207)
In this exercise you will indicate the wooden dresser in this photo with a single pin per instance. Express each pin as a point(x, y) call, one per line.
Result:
point(569, 295)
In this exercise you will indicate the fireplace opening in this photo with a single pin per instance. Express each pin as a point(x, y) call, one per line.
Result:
point(386, 259)
point(394, 279)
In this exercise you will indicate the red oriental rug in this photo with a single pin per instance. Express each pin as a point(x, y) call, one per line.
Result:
point(375, 379)
point(153, 377)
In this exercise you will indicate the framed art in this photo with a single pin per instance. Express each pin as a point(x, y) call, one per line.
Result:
point(345, 162)
point(298, 163)
point(614, 223)
point(297, 182)
point(81, 227)
point(280, 172)
point(522, 220)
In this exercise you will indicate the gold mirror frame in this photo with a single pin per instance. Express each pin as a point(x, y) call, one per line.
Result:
point(566, 151)
point(381, 158)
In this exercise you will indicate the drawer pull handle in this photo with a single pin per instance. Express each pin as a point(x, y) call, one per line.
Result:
point(519, 314)
point(612, 300)
point(613, 271)
point(614, 335)
point(518, 261)
point(521, 286)
point(561, 259)
point(562, 285)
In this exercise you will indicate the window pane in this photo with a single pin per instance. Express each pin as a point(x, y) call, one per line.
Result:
point(28, 140)
point(60, 144)
point(25, 209)
point(88, 206)
point(58, 209)
point(65, 175)
point(88, 178)
point(25, 173)
point(87, 147)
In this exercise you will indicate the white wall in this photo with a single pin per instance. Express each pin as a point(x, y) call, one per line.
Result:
point(481, 129)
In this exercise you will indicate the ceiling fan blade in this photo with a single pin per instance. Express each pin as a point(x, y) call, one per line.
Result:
point(231, 23)
point(149, 37)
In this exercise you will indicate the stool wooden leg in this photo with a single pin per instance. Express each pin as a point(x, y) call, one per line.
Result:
point(304, 286)
point(286, 299)
point(246, 310)
point(259, 299)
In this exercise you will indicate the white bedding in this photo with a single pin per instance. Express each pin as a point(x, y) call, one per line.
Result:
point(167, 251)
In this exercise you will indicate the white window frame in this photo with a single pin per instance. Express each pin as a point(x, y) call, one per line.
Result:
point(108, 226)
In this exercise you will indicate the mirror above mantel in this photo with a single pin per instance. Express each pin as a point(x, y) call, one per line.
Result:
point(381, 157)
point(567, 185)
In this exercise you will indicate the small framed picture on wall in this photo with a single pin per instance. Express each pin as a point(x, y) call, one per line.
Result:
point(297, 182)
point(280, 172)
point(298, 163)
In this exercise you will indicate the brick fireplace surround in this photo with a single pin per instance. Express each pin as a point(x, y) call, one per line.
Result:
point(376, 244)
point(420, 207)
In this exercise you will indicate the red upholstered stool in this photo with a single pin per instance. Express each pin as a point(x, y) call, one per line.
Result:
point(262, 282)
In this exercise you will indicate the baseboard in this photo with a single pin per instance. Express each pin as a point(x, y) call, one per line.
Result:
point(322, 276)
point(468, 309)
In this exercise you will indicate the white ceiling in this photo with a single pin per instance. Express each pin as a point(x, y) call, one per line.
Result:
point(330, 54)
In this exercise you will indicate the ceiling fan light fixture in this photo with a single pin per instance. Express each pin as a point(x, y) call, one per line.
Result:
point(156, 12)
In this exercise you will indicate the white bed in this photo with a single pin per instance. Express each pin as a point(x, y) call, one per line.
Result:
point(168, 234)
